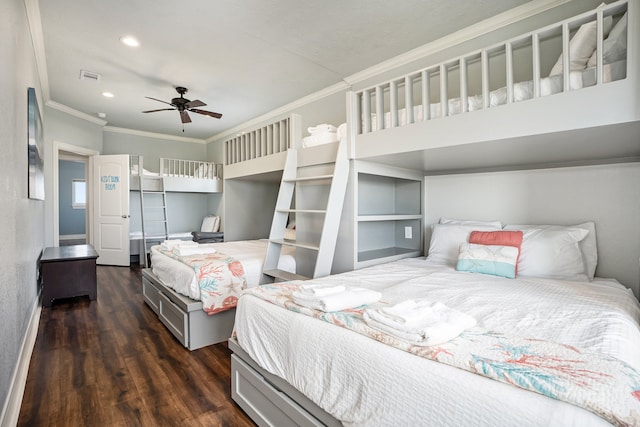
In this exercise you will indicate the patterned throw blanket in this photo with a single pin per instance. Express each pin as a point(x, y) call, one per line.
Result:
point(601, 384)
point(220, 277)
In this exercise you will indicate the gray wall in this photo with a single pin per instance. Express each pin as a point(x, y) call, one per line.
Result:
point(21, 219)
point(64, 128)
point(71, 221)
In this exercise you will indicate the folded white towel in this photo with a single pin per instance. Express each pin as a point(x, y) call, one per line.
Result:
point(319, 139)
point(410, 313)
point(321, 128)
point(193, 250)
point(316, 290)
point(170, 244)
point(438, 323)
point(350, 298)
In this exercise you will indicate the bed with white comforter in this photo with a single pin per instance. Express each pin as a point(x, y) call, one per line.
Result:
point(182, 278)
point(362, 382)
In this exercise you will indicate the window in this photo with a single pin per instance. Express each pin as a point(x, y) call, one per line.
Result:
point(78, 194)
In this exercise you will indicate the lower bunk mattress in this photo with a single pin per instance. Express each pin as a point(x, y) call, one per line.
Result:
point(250, 253)
point(361, 380)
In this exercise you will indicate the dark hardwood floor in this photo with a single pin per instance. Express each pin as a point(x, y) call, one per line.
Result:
point(111, 362)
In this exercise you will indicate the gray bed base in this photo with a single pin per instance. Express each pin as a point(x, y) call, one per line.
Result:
point(268, 399)
point(183, 316)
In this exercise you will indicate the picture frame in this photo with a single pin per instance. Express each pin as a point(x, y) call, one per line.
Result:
point(35, 147)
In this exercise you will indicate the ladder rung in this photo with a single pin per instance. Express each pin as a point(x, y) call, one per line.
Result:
point(294, 244)
point(309, 178)
point(315, 211)
point(284, 275)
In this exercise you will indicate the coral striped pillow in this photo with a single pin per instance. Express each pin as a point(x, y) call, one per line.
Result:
point(499, 238)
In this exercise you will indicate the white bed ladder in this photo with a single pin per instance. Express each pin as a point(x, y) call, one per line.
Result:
point(153, 215)
point(337, 181)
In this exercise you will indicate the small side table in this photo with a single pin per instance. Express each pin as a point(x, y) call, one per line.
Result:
point(68, 271)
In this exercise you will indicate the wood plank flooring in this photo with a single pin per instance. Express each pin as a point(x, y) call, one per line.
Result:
point(111, 362)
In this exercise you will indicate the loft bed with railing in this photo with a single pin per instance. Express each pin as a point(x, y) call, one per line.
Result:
point(551, 95)
point(188, 176)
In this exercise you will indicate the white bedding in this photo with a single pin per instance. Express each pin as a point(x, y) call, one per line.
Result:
point(181, 278)
point(521, 92)
point(363, 382)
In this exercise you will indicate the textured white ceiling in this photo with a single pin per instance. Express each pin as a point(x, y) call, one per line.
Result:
point(241, 57)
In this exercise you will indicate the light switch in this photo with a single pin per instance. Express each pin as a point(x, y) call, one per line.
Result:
point(407, 232)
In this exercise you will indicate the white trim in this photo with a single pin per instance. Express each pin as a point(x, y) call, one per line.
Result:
point(73, 236)
point(81, 151)
point(481, 28)
point(11, 408)
point(37, 39)
point(153, 135)
point(331, 90)
point(73, 112)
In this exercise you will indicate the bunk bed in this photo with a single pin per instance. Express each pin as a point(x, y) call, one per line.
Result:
point(315, 368)
point(576, 79)
point(187, 176)
point(194, 295)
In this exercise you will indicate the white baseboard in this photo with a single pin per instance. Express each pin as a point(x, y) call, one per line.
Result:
point(72, 236)
point(11, 408)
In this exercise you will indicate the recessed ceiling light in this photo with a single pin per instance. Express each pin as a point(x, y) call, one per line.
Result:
point(102, 115)
point(107, 94)
point(130, 41)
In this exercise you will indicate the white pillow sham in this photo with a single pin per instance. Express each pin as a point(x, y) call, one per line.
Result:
point(447, 238)
point(553, 254)
point(614, 46)
point(582, 45)
point(470, 222)
point(588, 245)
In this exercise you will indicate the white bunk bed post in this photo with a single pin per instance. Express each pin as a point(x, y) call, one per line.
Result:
point(355, 120)
point(444, 87)
point(380, 107)
point(408, 99)
point(426, 95)
point(535, 49)
point(486, 100)
point(393, 103)
point(464, 96)
point(509, 71)
point(566, 39)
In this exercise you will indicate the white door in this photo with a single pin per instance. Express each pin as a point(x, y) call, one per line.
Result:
point(111, 209)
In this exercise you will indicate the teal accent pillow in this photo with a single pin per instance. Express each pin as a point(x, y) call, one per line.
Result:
point(488, 259)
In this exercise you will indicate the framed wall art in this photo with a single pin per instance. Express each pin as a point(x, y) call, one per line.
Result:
point(35, 147)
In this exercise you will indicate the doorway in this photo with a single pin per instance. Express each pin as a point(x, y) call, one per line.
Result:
point(72, 154)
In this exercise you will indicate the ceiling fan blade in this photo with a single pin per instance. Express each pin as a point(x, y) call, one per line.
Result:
point(162, 109)
point(194, 103)
point(206, 113)
point(184, 116)
point(159, 100)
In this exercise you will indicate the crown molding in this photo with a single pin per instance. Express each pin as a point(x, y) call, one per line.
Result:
point(481, 28)
point(37, 39)
point(331, 90)
point(153, 135)
point(61, 107)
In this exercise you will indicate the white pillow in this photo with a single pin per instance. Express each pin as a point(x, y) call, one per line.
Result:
point(588, 245)
point(582, 45)
point(615, 46)
point(447, 238)
point(470, 222)
point(210, 224)
point(552, 253)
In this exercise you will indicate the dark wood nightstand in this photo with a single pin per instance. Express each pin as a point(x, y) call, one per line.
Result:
point(68, 271)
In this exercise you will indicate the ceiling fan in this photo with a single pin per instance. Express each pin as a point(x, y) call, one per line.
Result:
point(183, 105)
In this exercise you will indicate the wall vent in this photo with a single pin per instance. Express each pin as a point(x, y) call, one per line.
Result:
point(89, 76)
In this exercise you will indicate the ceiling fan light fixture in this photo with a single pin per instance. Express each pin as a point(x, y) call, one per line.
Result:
point(130, 41)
